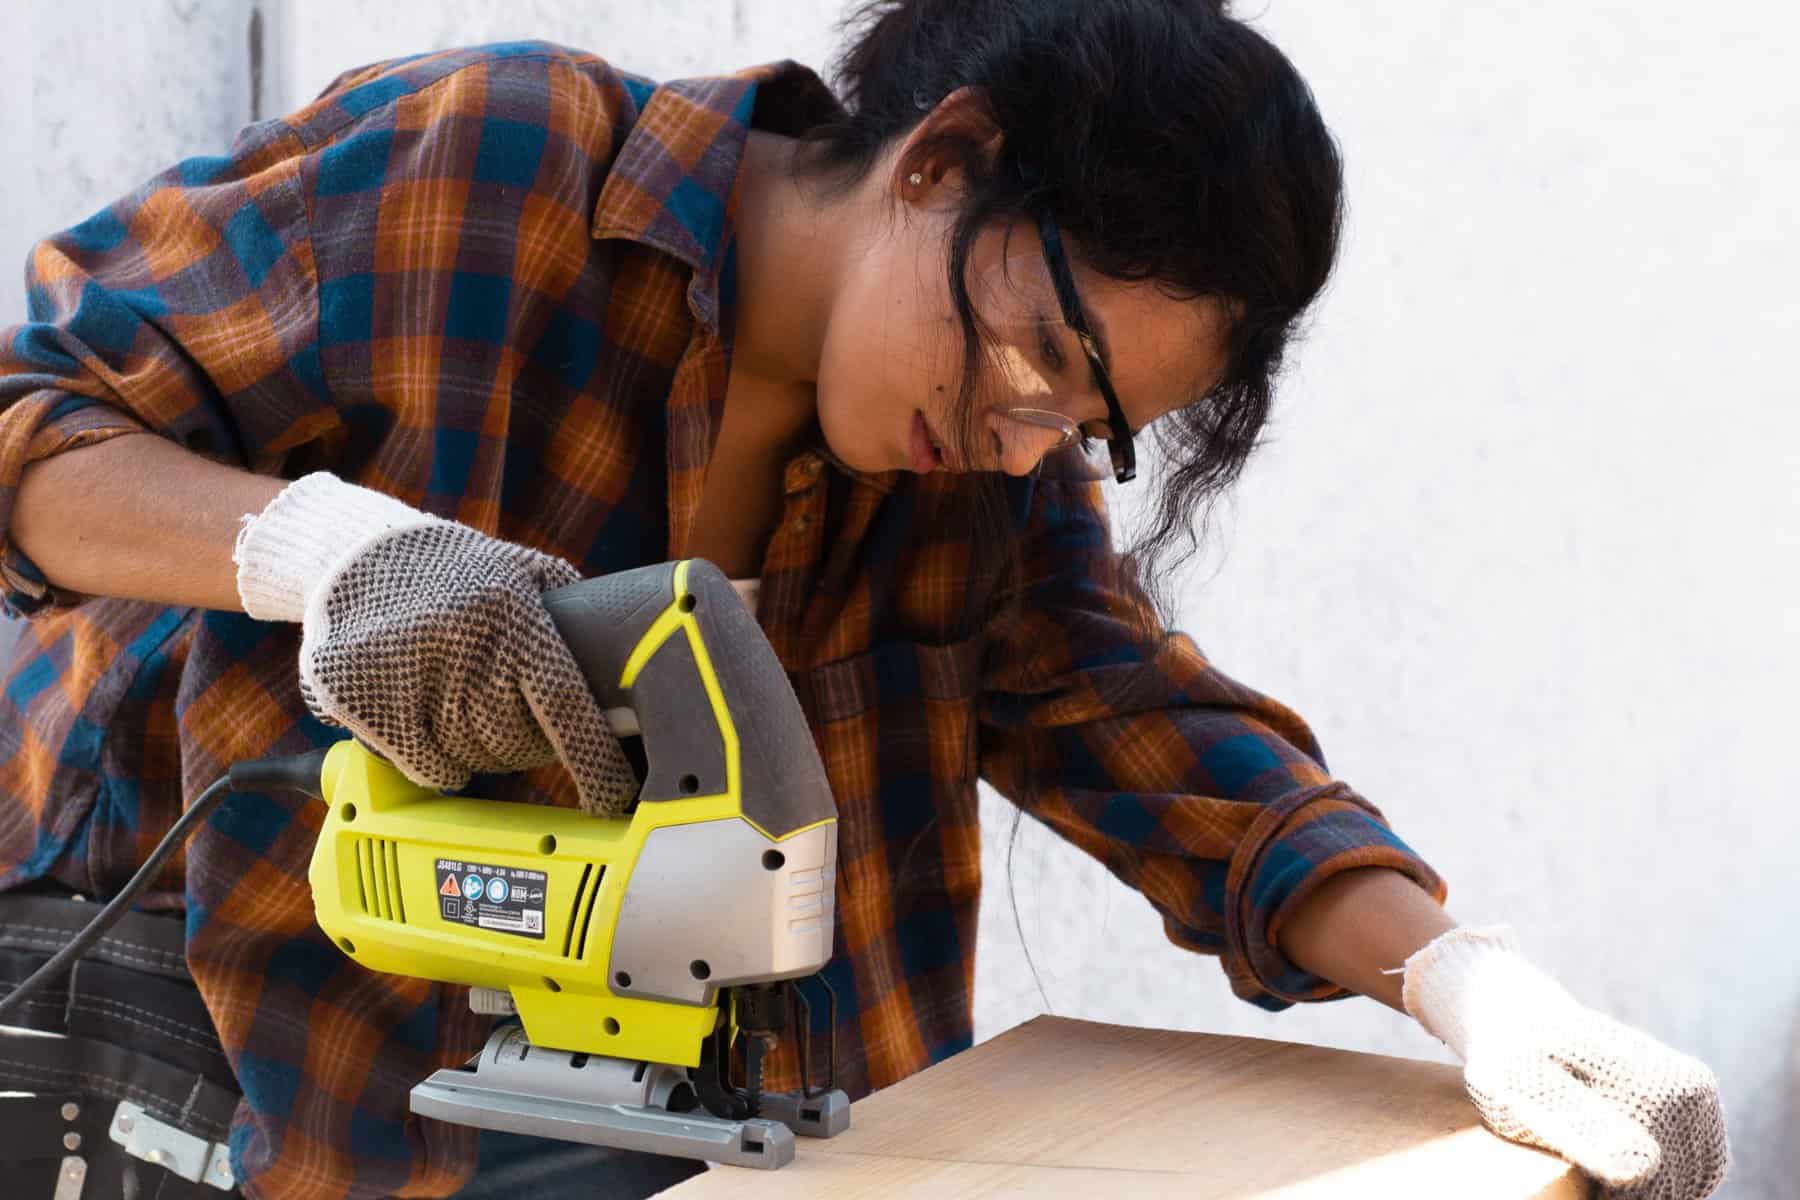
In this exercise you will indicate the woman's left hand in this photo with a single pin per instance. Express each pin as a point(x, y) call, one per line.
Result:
point(1644, 1120)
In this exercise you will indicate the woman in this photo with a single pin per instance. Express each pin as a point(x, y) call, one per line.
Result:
point(477, 323)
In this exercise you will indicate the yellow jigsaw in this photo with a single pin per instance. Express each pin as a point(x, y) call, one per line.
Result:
point(644, 955)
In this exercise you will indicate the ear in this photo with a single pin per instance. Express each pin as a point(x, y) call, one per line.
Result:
point(936, 150)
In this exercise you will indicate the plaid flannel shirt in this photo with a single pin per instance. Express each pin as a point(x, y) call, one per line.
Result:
point(496, 283)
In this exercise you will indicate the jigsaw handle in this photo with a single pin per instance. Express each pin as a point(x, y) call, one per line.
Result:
point(684, 615)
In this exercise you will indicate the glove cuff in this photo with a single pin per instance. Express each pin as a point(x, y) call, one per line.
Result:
point(311, 527)
point(1466, 979)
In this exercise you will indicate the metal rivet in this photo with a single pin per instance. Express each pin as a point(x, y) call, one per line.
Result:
point(71, 1111)
point(71, 1141)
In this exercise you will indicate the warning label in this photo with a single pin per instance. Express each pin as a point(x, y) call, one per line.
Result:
point(508, 899)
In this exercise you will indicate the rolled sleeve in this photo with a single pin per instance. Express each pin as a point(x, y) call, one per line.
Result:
point(1290, 850)
point(1210, 798)
point(41, 425)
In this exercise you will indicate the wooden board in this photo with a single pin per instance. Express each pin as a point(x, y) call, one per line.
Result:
point(1057, 1108)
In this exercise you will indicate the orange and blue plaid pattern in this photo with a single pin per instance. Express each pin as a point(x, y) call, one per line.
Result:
point(497, 283)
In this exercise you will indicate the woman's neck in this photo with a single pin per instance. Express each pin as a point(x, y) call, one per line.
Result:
point(788, 251)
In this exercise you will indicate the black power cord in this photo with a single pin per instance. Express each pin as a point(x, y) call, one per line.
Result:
point(299, 772)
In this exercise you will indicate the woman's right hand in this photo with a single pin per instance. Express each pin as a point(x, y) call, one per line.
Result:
point(427, 639)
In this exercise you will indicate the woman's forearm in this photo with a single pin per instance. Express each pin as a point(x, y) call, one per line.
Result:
point(1358, 923)
point(138, 516)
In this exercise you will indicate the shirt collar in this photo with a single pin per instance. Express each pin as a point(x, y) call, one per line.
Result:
point(672, 184)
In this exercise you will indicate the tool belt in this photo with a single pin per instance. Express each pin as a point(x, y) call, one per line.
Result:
point(135, 1096)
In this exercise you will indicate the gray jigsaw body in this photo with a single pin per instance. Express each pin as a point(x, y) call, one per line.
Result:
point(717, 915)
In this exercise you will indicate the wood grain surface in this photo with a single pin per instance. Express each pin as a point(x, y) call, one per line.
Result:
point(1061, 1108)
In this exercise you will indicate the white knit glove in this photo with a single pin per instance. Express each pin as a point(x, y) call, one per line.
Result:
point(1644, 1120)
point(427, 639)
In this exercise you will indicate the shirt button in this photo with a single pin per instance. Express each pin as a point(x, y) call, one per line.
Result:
point(802, 475)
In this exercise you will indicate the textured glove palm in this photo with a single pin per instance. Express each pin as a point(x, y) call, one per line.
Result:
point(428, 640)
point(1644, 1120)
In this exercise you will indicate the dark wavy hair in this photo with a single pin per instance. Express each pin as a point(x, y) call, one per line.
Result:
point(1172, 143)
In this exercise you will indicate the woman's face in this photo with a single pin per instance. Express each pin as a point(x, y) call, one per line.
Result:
point(893, 351)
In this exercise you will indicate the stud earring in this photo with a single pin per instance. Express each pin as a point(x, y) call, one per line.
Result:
point(915, 179)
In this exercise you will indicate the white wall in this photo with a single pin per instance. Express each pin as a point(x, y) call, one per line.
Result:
point(101, 96)
point(1525, 546)
point(1521, 549)
point(664, 40)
